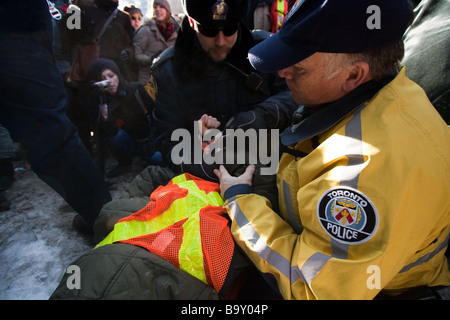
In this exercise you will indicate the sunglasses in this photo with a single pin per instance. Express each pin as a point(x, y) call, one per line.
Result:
point(136, 18)
point(212, 32)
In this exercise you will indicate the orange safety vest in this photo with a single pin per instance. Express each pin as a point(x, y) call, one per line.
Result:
point(183, 223)
point(278, 12)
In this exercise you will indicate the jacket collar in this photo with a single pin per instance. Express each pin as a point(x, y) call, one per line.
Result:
point(311, 122)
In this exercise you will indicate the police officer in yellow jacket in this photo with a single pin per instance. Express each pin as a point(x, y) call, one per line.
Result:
point(364, 181)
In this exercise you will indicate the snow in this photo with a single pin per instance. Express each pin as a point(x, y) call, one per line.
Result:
point(37, 241)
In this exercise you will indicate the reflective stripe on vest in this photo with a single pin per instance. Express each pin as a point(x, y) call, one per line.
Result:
point(183, 223)
point(278, 12)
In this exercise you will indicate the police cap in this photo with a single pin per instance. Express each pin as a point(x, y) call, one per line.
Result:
point(334, 26)
point(216, 13)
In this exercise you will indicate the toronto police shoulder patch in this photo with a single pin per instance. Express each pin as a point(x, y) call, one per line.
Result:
point(347, 215)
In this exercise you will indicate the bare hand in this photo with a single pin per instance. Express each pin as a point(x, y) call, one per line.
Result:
point(227, 181)
point(207, 122)
point(103, 110)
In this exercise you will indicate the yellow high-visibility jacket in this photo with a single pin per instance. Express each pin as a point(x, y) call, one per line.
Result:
point(367, 209)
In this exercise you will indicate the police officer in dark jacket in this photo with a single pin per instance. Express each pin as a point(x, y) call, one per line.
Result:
point(32, 108)
point(207, 72)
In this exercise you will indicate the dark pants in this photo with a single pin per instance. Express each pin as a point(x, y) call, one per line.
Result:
point(124, 148)
point(32, 108)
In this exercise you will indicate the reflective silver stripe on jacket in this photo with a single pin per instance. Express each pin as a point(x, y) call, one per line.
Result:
point(427, 257)
point(315, 263)
point(292, 216)
point(259, 246)
point(349, 178)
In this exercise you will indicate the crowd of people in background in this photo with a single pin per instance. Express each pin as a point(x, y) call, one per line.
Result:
point(128, 44)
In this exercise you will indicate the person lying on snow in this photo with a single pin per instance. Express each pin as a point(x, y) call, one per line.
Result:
point(177, 243)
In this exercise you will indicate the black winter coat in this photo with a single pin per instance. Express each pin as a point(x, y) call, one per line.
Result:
point(117, 37)
point(429, 36)
point(189, 84)
point(126, 110)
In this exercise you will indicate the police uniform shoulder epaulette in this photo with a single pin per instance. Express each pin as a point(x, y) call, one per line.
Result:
point(260, 35)
point(164, 56)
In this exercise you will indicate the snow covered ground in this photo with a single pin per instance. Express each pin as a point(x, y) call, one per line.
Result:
point(37, 241)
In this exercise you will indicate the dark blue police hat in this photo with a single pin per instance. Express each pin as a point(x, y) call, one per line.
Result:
point(216, 13)
point(335, 26)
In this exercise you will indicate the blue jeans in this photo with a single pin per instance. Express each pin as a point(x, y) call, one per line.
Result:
point(124, 148)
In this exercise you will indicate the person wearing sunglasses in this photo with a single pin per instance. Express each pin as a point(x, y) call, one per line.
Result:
point(135, 16)
point(207, 72)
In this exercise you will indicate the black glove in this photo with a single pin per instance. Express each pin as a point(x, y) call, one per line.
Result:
point(253, 119)
point(202, 170)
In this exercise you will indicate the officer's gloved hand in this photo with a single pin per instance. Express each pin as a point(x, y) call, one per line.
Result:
point(202, 170)
point(198, 167)
point(253, 119)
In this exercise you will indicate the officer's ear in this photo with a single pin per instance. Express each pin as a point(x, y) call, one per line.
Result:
point(357, 74)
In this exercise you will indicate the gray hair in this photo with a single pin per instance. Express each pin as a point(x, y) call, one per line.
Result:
point(382, 62)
